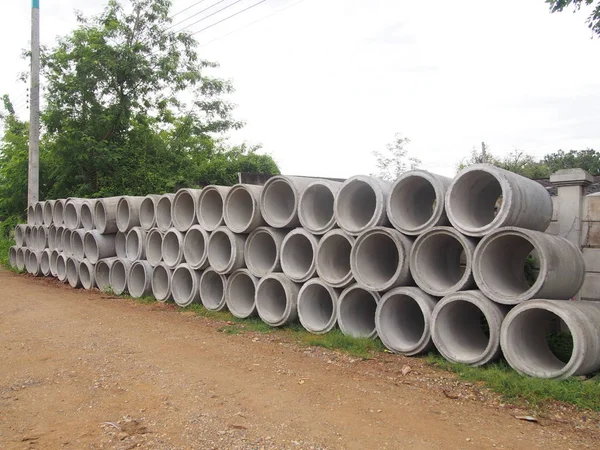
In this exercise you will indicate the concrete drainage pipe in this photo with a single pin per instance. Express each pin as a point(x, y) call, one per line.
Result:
point(298, 255)
point(416, 202)
point(277, 299)
point(66, 242)
point(241, 211)
point(499, 261)
point(48, 212)
point(524, 338)
point(140, 279)
point(128, 213)
point(21, 259)
point(279, 200)
point(317, 306)
point(466, 328)
point(12, 256)
point(102, 273)
point(161, 282)
point(195, 247)
point(45, 262)
point(58, 212)
point(441, 261)
point(240, 293)
point(212, 290)
point(172, 248)
point(72, 213)
point(148, 211)
point(88, 221)
point(59, 238)
point(53, 263)
point(33, 241)
point(315, 209)
point(105, 215)
point(262, 251)
point(86, 274)
point(121, 245)
point(135, 241)
point(77, 243)
point(333, 258)
point(185, 283)
point(380, 259)
point(20, 231)
point(27, 238)
point(119, 272)
point(226, 250)
point(61, 267)
point(98, 246)
point(474, 208)
point(38, 210)
point(33, 263)
point(73, 272)
point(210, 206)
point(356, 309)
point(52, 237)
point(31, 215)
point(403, 320)
point(154, 240)
point(163, 212)
point(41, 237)
point(360, 204)
point(183, 209)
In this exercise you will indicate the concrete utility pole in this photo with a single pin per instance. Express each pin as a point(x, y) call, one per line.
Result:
point(34, 107)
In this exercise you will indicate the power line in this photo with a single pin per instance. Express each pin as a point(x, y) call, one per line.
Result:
point(194, 15)
point(228, 17)
point(189, 7)
point(210, 15)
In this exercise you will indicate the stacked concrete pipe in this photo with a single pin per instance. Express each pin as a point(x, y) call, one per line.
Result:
point(161, 282)
point(240, 293)
point(279, 200)
point(183, 209)
point(212, 290)
point(128, 213)
point(262, 251)
point(154, 241)
point(210, 206)
point(172, 248)
point(148, 211)
point(276, 299)
point(102, 273)
point(185, 283)
point(86, 274)
point(163, 212)
point(195, 247)
point(241, 211)
point(88, 220)
point(315, 208)
point(139, 279)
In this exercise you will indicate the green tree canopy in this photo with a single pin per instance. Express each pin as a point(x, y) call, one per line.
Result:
point(584, 159)
point(593, 20)
point(395, 160)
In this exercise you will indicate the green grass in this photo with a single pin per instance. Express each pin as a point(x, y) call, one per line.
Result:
point(5, 244)
point(501, 378)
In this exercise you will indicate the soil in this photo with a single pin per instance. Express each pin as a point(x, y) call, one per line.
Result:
point(82, 369)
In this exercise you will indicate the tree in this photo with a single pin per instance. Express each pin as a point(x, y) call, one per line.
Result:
point(478, 157)
point(585, 159)
point(517, 161)
point(395, 160)
point(593, 20)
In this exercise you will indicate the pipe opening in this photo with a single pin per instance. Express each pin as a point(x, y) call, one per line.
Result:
point(102, 276)
point(240, 208)
point(220, 251)
point(377, 259)
point(317, 207)
point(77, 247)
point(87, 216)
point(402, 322)
point(85, 275)
point(99, 215)
point(195, 247)
point(120, 244)
point(12, 257)
point(72, 274)
point(45, 263)
point(273, 300)
point(279, 202)
point(184, 210)
point(262, 252)
point(61, 268)
point(211, 209)
point(163, 213)
point(147, 213)
point(333, 258)
point(297, 256)
point(413, 202)
point(212, 289)
point(118, 277)
point(316, 307)
point(133, 245)
point(171, 249)
point(71, 216)
point(91, 247)
point(357, 313)
point(160, 283)
point(475, 199)
point(123, 213)
point(440, 261)
point(356, 204)
point(58, 213)
point(154, 247)
point(241, 291)
point(137, 280)
point(182, 285)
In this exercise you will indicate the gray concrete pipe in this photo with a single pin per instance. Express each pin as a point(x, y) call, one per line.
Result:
point(32, 263)
point(59, 238)
point(31, 215)
point(105, 214)
point(315, 208)
point(226, 250)
point(86, 274)
point(88, 220)
point(380, 259)
point(172, 248)
point(499, 259)
point(61, 267)
point(441, 261)
point(135, 244)
point(403, 320)
point(139, 279)
point(121, 245)
point(20, 232)
point(52, 237)
point(45, 262)
point(185, 283)
point(262, 251)
point(241, 212)
point(154, 240)
point(298, 255)
point(72, 213)
point(21, 260)
point(77, 243)
point(48, 212)
point(195, 247)
point(102, 273)
point(333, 258)
point(210, 206)
point(33, 242)
point(42, 237)
point(53, 262)
point(119, 273)
point(12, 256)
point(73, 272)
point(66, 242)
point(416, 202)
point(360, 204)
point(58, 211)
point(280, 198)
point(148, 211)
point(183, 209)
point(212, 290)
point(457, 328)
point(98, 246)
point(161, 282)
point(277, 299)
point(240, 294)
point(128, 213)
point(317, 306)
point(524, 337)
point(38, 210)
point(27, 238)
point(356, 309)
point(472, 201)
point(163, 212)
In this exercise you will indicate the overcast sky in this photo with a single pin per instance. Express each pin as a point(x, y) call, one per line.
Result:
point(323, 83)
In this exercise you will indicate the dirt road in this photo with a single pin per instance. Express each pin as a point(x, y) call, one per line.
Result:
point(83, 370)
